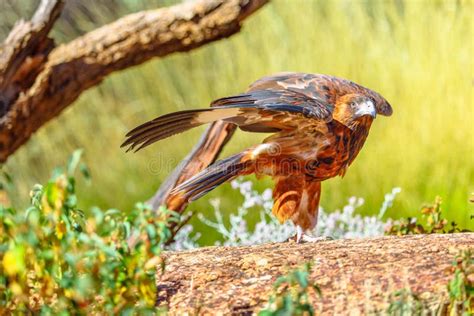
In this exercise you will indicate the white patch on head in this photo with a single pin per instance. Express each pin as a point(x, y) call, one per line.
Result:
point(366, 108)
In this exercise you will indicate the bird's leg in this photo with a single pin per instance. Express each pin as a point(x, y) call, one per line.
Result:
point(299, 234)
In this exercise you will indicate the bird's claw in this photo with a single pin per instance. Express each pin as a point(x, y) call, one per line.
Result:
point(304, 238)
point(307, 238)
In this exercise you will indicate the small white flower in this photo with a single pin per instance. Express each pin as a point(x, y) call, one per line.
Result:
point(337, 224)
point(267, 195)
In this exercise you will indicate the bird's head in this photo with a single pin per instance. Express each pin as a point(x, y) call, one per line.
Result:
point(354, 109)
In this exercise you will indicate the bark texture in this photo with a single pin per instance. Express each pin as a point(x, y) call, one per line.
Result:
point(356, 276)
point(64, 72)
point(25, 51)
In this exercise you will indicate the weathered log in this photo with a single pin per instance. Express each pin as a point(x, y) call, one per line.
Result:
point(72, 68)
point(356, 276)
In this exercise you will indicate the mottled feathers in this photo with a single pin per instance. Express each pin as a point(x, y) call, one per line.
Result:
point(319, 124)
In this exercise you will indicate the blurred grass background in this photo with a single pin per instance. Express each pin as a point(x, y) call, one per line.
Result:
point(418, 54)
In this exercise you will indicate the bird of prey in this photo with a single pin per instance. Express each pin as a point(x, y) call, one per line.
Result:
point(318, 123)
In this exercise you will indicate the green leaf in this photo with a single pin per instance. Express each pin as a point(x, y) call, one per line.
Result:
point(47, 254)
point(317, 289)
point(71, 259)
point(287, 305)
point(112, 212)
point(280, 281)
point(85, 171)
point(32, 215)
point(302, 278)
point(84, 284)
point(127, 228)
point(73, 162)
point(150, 229)
point(455, 285)
point(52, 193)
point(306, 308)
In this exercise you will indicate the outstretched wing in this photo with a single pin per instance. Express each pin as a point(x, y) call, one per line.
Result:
point(258, 111)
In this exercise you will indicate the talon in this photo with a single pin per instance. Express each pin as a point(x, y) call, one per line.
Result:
point(300, 237)
point(307, 238)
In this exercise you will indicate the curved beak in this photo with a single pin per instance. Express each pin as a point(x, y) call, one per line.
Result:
point(366, 108)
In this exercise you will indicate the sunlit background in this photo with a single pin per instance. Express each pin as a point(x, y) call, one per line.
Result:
point(418, 54)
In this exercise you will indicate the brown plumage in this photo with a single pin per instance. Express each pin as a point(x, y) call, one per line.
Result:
point(319, 124)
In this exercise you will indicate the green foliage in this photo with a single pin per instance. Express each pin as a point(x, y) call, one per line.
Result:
point(434, 223)
point(461, 286)
point(460, 289)
point(404, 303)
point(55, 259)
point(292, 294)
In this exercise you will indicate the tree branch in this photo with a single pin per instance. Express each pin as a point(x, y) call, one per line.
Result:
point(82, 63)
point(25, 51)
point(354, 275)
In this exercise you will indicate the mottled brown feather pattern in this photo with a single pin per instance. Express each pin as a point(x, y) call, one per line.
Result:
point(319, 125)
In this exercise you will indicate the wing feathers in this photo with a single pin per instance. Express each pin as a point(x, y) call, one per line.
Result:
point(211, 177)
point(174, 123)
point(263, 110)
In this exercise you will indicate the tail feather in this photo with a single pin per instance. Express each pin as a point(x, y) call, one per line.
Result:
point(213, 176)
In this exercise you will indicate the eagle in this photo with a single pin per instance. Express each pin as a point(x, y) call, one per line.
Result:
point(318, 125)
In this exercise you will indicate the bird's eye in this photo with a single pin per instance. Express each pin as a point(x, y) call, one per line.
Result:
point(353, 104)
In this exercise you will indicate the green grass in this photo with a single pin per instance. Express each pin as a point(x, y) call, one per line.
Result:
point(418, 54)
